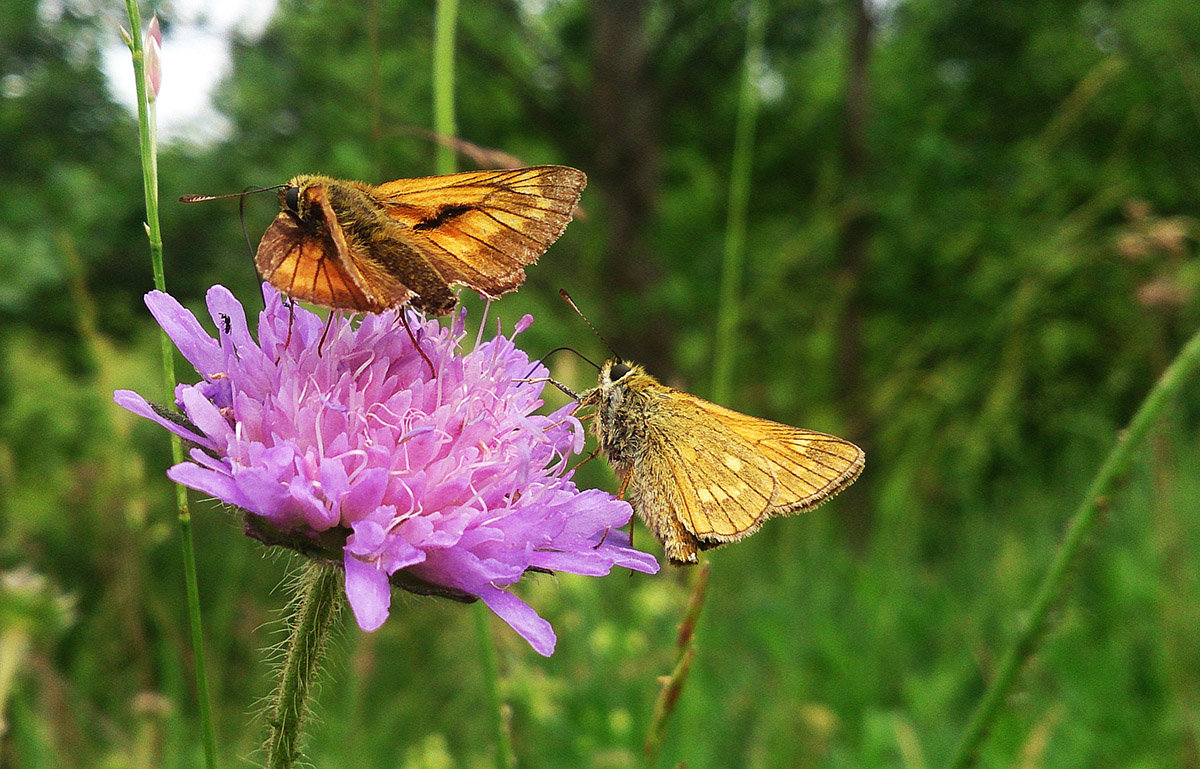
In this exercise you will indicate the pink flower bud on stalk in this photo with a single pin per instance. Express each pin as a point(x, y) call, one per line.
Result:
point(153, 58)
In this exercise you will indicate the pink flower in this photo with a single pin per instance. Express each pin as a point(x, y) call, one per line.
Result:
point(447, 484)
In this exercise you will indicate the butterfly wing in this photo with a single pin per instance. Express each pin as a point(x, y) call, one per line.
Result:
point(482, 227)
point(317, 265)
point(731, 471)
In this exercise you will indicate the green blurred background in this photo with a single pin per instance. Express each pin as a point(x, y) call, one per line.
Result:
point(971, 248)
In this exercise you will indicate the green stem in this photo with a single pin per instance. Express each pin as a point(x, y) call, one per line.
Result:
point(672, 687)
point(316, 606)
point(148, 143)
point(1106, 478)
point(444, 123)
point(506, 758)
point(739, 202)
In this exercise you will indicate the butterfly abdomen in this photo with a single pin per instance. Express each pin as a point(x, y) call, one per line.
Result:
point(397, 257)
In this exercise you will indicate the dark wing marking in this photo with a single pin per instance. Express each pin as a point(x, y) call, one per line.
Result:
point(482, 227)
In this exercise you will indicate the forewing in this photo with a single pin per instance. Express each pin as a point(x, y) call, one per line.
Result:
point(710, 479)
point(480, 228)
point(733, 471)
point(317, 265)
point(810, 466)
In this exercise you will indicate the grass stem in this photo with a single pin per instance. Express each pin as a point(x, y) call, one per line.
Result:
point(148, 144)
point(739, 201)
point(1053, 583)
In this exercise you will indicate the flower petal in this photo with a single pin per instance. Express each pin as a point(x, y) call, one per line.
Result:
point(130, 400)
point(207, 481)
point(521, 618)
point(368, 591)
point(200, 349)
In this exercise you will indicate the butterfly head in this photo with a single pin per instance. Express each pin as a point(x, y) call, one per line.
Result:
point(622, 392)
point(289, 196)
point(614, 371)
point(295, 197)
point(618, 378)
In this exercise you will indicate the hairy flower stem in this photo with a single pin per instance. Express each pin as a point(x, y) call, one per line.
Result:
point(1106, 478)
point(316, 606)
point(672, 686)
point(148, 144)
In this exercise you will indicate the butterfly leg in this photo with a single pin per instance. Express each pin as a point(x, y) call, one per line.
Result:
point(587, 459)
point(288, 339)
point(621, 495)
point(325, 333)
point(403, 316)
point(625, 483)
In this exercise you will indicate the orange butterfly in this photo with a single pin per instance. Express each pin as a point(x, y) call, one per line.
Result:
point(353, 246)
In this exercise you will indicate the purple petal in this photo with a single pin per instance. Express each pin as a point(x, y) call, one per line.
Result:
point(368, 591)
point(130, 400)
point(206, 416)
point(200, 349)
point(366, 494)
point(215, 484)
point(521, 618)
point(635, 559)
point(573, 562)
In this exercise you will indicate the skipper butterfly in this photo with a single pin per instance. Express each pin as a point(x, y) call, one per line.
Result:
point(701, 475)
point(353, 246)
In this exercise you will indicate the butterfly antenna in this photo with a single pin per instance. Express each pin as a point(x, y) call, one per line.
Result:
point(564, 348)
point(251, 190)
point(242, 214)
point(563, 293)
point(567, 390)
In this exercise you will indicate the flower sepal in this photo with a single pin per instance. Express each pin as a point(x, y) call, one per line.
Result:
point(328, 546)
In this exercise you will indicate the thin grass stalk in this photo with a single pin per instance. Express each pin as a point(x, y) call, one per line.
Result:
point(315, 608)
point(148, 144)
point(506, 757)
point(728, 313)
point(1053, 583)
point(444, 122)
point(734, 256)
point(445, 125)
point(672, 687)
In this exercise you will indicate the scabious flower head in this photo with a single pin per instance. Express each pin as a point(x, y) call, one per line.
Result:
point(451, 481)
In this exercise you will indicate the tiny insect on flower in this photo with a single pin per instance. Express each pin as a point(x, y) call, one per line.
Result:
point(451, 483)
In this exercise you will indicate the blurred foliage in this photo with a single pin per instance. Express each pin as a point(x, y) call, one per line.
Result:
point(1030, 192)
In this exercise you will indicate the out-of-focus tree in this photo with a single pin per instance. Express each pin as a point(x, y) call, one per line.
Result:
point(995, 155)
point(66, 161)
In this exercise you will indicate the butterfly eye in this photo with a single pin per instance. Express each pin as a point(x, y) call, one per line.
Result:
point(291, 199)
point(618, 371)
